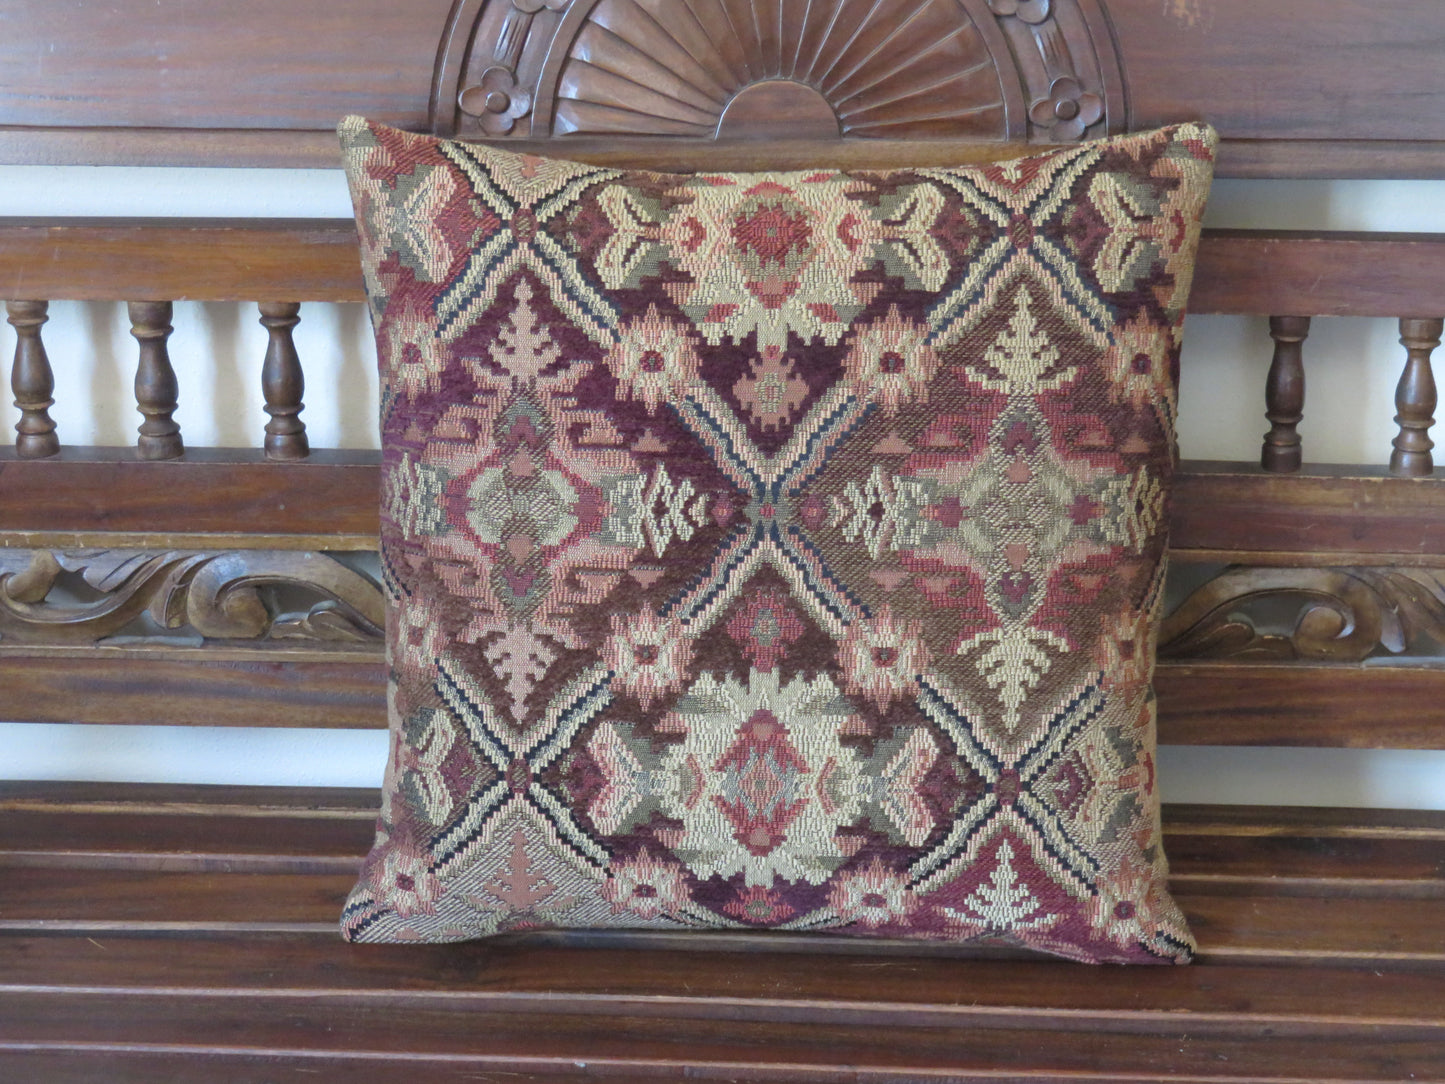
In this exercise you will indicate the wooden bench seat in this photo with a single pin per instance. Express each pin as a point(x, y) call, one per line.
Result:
point(145, 927)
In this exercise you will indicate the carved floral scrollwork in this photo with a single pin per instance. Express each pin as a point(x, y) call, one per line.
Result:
point(88, 596)
point(496, 101)
point(960, 69)
point(1032, 12)
point(1056, 57)
point(499, 99)
point(1317, 614)
point(1068, 110)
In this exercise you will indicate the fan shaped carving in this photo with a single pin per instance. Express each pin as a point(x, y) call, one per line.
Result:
point(883, 66)
point(705, 69)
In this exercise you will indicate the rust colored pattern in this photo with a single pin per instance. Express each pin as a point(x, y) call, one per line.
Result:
point(776, 550)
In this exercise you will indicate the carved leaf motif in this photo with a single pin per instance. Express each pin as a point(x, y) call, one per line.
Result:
point(222, 601)
point(28, 614)
point(329, 621)
point(32, 582)
point(1416, 596)
point(223, 595)
point(1333, 614)
point(106, 569)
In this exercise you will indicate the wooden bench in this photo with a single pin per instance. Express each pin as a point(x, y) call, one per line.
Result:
point(164, 930)
point(153, 932)
point(181, 933)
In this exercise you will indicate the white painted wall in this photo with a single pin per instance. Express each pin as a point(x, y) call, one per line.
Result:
point(217, 350)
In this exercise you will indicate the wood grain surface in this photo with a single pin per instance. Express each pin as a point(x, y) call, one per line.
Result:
point(1217, 508)
point(1356, 92)
point(154, 924)
point(1240, 272)
point(1199, 704)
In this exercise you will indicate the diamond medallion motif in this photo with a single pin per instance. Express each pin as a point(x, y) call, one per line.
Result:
point(775, 550)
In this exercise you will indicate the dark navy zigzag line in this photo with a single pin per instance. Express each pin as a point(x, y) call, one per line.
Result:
point(840, 427)
point(801, 542)
point(720, 581)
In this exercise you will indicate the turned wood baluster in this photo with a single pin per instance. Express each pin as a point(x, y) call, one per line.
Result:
point(1284, 394)
point(155, 381)
point(32, 381)
point(282, 383)
point(1415, 397)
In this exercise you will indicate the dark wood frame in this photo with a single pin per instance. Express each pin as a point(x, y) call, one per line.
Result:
point(1297, 90)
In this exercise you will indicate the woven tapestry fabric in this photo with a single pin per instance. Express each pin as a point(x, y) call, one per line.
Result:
point(776, 550)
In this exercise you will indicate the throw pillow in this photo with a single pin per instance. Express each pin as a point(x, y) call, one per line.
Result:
point(776, 550)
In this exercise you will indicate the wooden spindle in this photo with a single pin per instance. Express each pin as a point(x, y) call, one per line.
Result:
point(1415, 397)
point(32, 381)
point(1284, 394)
point(155, 381)
point(282, 383)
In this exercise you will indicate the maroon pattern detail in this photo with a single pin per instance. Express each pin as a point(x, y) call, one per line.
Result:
point(776, 550)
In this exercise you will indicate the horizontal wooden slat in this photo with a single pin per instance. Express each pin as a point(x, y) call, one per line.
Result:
point(1361, 869)
point(1241, 821)
point(281, 148)
point(283, 64)
point(135, 898)
point(1246, 850)
point(648, 1044)
point(201, 803)
point(1258, 884)
point(273, 148)
point(1348, 511)
point(201, 800)
point(204, 801)
point(501, 1004)
point(1281, 852)
point(1239, 271)
point(917, 984)
point(1353, 513)
point(63, 1063)
point(265, 689)
point(220, 490)
point(1313, 274)
point(1321, 927)
point(1293, 704)
point(1293, 983)
point(1199, 703)
point(161, 259)
point(160, 100)
point(1294, 159)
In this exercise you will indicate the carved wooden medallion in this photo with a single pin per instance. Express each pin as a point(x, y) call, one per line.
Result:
point(986, 70)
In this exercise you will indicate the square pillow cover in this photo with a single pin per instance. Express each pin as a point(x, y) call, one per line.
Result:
point(776, 550)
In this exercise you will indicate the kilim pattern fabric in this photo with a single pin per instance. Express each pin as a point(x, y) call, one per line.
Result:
point(778, 550)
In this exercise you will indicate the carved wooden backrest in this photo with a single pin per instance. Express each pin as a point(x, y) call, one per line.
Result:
point(200, 538)
point(1012, 70)
point(1332, 88)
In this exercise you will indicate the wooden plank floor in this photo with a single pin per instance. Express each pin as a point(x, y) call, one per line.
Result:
point(189, 933)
